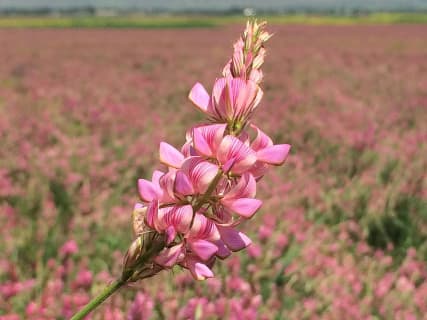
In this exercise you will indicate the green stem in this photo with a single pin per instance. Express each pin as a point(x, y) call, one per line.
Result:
point(95, 302)
point(208, 192)
point(206, 196)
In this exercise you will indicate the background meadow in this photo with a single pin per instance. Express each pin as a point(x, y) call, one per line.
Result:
point(342, 233)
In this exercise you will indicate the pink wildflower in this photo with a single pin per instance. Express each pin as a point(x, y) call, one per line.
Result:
point(69, 248)
point(233, 100)
point(142, 307)
point(190, 214)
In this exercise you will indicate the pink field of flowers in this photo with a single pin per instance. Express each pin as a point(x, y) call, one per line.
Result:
point(342, 233)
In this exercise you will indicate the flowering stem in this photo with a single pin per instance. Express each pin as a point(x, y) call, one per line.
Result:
point(208, 192)
point(95, 302)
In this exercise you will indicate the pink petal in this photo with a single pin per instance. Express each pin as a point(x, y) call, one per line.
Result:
point(199, 97)
point(226, 71)
point(245, 188)
point(170, 156)
point(187, 149)
point(182, 184)
point(258, 170)
point(168, 257)
point(258, 98)
point(226, 167)
point(200, 172)
point(261, 141)
point(232, 148)
point(200, 144)
point(148, 190)
point(138, 206)
point(167, 183)
point(223, 215)
point(206, 139)
point(152, 214)
point(202, 248)
point(244, 137)
point(235, 240)
point(182, 217)
point(203, 228)
point(256, 75)
point(199, 270)
point(245, 93)
point(157, 174)
point(223, 252)
point(229, 97)
point(171, 234)
point(235, 98)
point(245, 207)
point(220, 97)
point(177, 216)
point(275, 155)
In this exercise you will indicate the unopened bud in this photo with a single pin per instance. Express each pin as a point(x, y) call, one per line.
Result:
point(133, 254)
point(259, 59)
point(249, 53)
point(139, 259)
point(264, 36)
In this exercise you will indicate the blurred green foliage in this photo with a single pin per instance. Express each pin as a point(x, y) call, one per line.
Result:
point(198, 21)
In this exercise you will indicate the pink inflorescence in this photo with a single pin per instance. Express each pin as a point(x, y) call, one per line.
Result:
point(196, 205)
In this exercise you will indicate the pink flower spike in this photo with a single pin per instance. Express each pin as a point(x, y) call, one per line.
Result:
point(245, 207)
point(200, 173)
point(232, 148)
point(202, 248)
point(190, 213)
point(235, 240)
point(169, 257)
point(199, 270)
point(170, 156)
point(275, 155)
point(199, 97)
point(148, 191)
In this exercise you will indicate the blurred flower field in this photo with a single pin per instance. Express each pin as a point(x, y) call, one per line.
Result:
point(342, 233)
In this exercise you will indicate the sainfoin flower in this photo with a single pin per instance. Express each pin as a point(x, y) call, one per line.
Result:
point(190, 213)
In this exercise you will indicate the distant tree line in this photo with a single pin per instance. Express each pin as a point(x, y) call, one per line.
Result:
point(96, 11)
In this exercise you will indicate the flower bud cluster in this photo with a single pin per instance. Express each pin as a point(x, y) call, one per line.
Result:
point(209, 187)
point(236, 96)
